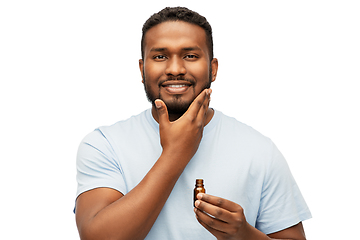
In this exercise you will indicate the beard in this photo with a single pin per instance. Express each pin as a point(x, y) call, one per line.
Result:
point(176, 105)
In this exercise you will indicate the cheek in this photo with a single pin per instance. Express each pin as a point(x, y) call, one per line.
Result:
point(200, 71)
point(153, 70)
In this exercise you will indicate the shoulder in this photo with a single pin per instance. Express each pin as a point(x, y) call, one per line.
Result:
point(122, 127)
point(236, 129)
point(135, 120)
point(106, 135)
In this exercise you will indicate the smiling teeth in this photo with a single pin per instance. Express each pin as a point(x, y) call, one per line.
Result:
point(176, 86)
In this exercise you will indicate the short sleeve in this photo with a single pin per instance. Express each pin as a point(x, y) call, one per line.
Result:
point(282, 204)
point(97, 165)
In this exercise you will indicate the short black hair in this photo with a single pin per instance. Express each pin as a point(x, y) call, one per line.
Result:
point(178, 14)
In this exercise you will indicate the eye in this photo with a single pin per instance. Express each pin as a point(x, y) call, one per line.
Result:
point(191, 57)
point(159, 57)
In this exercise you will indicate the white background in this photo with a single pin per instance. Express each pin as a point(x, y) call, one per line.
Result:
point(290, 69)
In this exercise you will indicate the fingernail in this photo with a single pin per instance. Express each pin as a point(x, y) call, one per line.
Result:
point(200, 195)
point(197, 203)
point(158, 104)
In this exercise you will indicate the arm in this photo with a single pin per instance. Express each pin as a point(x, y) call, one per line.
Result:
point(228, 221)
point(105, 213)
point(296, 232)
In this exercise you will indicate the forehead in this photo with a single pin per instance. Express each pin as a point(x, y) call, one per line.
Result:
point(175, 34)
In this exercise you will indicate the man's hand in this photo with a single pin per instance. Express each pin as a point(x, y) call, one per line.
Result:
point(182, 137)
point(222, 218)
point(104, 213)
point(226, 220)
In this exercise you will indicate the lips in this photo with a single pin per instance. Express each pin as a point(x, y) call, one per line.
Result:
point(176, 87)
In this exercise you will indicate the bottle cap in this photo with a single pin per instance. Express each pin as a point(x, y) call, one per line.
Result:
point(199, 181)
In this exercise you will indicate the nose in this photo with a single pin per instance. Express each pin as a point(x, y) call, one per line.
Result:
point(175, 67)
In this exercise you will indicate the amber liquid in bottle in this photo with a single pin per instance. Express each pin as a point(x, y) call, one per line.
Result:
point(199, 188)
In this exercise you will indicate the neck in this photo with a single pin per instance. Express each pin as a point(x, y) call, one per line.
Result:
point(174, 117)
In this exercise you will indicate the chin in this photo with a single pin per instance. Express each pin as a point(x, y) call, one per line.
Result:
point(176, 107)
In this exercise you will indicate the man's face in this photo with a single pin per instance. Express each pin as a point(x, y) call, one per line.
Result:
point(176, 65)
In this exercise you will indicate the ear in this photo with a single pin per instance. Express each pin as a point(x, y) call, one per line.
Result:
point(141, 66)
point(214, 68)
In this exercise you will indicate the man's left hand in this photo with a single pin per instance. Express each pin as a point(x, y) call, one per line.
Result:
point(223, 218)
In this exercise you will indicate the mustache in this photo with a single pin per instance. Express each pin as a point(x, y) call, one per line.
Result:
point(181, 78)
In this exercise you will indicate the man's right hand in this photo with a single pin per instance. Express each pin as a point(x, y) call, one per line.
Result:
point(182, 137)
point(104, 213)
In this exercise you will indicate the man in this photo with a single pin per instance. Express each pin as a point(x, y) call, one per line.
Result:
point(135, 178)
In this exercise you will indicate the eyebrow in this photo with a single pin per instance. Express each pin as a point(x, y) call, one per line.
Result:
point(183, 49)
point(191, 49)
point(158, 49)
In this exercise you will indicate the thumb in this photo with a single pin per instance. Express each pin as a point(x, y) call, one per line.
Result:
point(162, 112)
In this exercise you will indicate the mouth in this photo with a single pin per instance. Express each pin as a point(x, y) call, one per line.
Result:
point(176, 87)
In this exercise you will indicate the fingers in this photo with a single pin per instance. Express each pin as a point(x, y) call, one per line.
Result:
point(199, 106)
point(221, 209)
point(205, 106)
point(219, 202)
point(162, 112)
point(219, 216)
point(213, 225)
point(217, 212)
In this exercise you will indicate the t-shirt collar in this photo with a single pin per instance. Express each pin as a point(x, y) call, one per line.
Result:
point(213, 122)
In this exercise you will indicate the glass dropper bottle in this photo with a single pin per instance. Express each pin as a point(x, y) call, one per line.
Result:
point(199, 188)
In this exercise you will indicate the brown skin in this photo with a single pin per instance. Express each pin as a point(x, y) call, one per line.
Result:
point(104, 213)
point(171, 49)
point(228, 221)
point(176, 50)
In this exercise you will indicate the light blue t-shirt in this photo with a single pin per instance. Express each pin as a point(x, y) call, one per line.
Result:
point(236, 162)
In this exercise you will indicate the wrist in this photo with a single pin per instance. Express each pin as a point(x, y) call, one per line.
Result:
point(254, 234)
point(177, 156)
point(172, 161)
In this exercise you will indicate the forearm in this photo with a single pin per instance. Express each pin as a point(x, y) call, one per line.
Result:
point(132, 216)
point(255, 234)
point(226, 220)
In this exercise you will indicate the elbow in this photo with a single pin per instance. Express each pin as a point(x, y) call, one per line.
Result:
point(95, 233)
point(86, 234)
point(90, 232)
point(92, 235)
